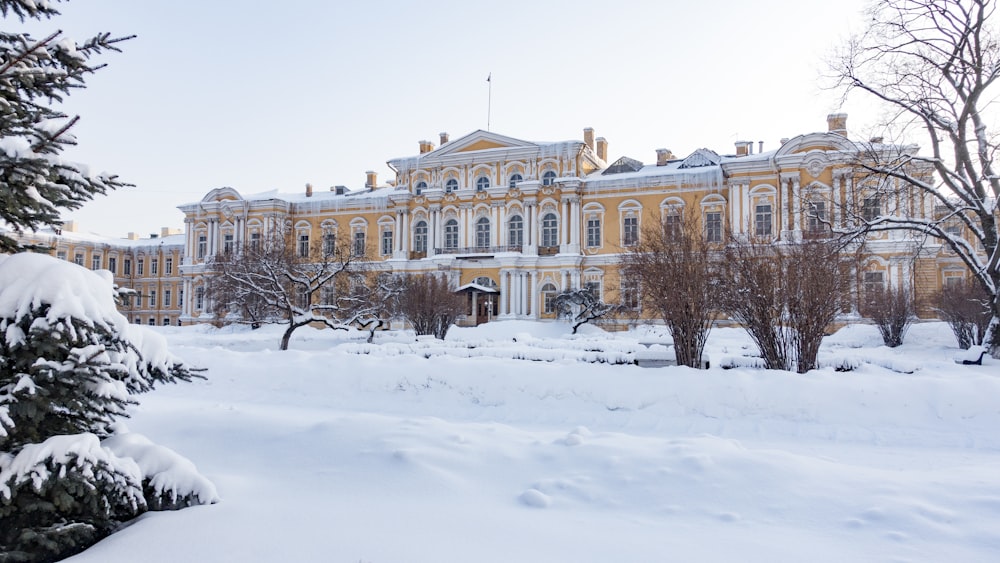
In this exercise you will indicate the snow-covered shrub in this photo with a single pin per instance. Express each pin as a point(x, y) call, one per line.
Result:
point(70, 364)
point(60, 496)
point(169, 480)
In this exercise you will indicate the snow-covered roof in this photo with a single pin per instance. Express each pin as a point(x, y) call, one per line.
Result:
point(476, 287)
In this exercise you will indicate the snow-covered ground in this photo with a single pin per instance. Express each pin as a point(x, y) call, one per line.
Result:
point(517, 442)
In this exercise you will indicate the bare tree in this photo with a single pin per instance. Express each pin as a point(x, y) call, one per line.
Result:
point(273, 281)
point(966, 309)
point(817, 282)
point(675, 267)
point(785, 296)
point(752, 295)
point(934, 64)
point(429, 303)
point(891, 309)
point(582, 306)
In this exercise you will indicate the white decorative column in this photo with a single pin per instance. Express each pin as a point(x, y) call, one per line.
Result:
point(503, 293)
point(533, 292)
point(796, 205)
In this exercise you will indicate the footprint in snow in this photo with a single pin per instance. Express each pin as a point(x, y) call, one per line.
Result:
point(535, 499)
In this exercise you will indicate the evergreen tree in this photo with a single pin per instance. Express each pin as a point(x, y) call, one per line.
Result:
point(69, 365)
point(35, 75)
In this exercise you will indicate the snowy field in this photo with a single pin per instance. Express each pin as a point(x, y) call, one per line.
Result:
point(517, 442)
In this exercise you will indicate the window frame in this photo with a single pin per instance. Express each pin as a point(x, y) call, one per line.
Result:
point(550, 230)
point(451, 234)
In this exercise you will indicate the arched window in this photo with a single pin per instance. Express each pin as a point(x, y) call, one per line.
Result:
point(514, 179)
point(515, 231)
point(550, 230)
point(548, 293)
point(482, 183)
point(451, 234)
point(421, 186)
point(548, 178)
point(451, 185)
point(482, 232)
point(420, 236)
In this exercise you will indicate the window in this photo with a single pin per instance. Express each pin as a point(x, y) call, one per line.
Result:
point(515, 231)
point(138, 320)
point(762, 220)
point(180, 298)
point(127, 267)
point(630, 231)
point(871, 208)
point(548, 178)
point(154, 266)
point(421, 186)
point(328, 294)
point(152, 299)
point(594, 288)
point(138, 298)
point(202, 246)
point(359, 243)
point(61, 255)
point(168, 266)
point(166, 297)
point(227, 243)
point(152, 321)
point(113, 264)
point(78, 259)
point(387, 242)
point(255, 241)
point(550, 230)
point(482, 184)
point(953, 281)
point(548, 294)
point(873, 282)
point(166, 321)
point(140, 267)
point(329, 244)
point(420, 236)
point(482, 233)
point(514, 179)
point(817, 217)
point(672, 225)
point(302, 298)
point(630, 293)
point(95, 262)
point(713, 226)
point(199, 298)
point(451, 185)
point(451, 234)
point(593, 232)
point(303, 249)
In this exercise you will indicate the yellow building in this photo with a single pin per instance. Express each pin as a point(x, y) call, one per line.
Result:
point(148, 266)
point(514, 222)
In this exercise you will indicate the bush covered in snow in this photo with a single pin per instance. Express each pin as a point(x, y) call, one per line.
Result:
point(70, 365)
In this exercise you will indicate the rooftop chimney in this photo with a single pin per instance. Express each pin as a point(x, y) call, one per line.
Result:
point(444, 139)
point(133, 236)
point(341, 190)
point(837, 123)
point(663, 156)
point(371, 179)
point(743, 148)
point(69, 226)
point(426, 146)
point(602, 148)
point(588, 137)
point(309, 190)
point(760, 146)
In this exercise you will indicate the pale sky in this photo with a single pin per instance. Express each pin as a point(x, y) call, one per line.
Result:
point(264, 95)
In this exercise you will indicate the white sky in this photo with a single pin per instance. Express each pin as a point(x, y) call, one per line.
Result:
point(261, 96)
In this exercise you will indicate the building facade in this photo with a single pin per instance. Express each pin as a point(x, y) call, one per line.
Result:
point(515, 222)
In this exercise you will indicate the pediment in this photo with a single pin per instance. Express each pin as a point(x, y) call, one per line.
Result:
point(222, 194)
point(479, 141)
point(816, 142)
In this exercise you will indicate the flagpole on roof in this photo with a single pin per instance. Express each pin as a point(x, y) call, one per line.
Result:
point(489, 99)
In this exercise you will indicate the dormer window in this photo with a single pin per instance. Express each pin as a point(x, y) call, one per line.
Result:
point(482, 183)
point(451, 185)
point(548, 178)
